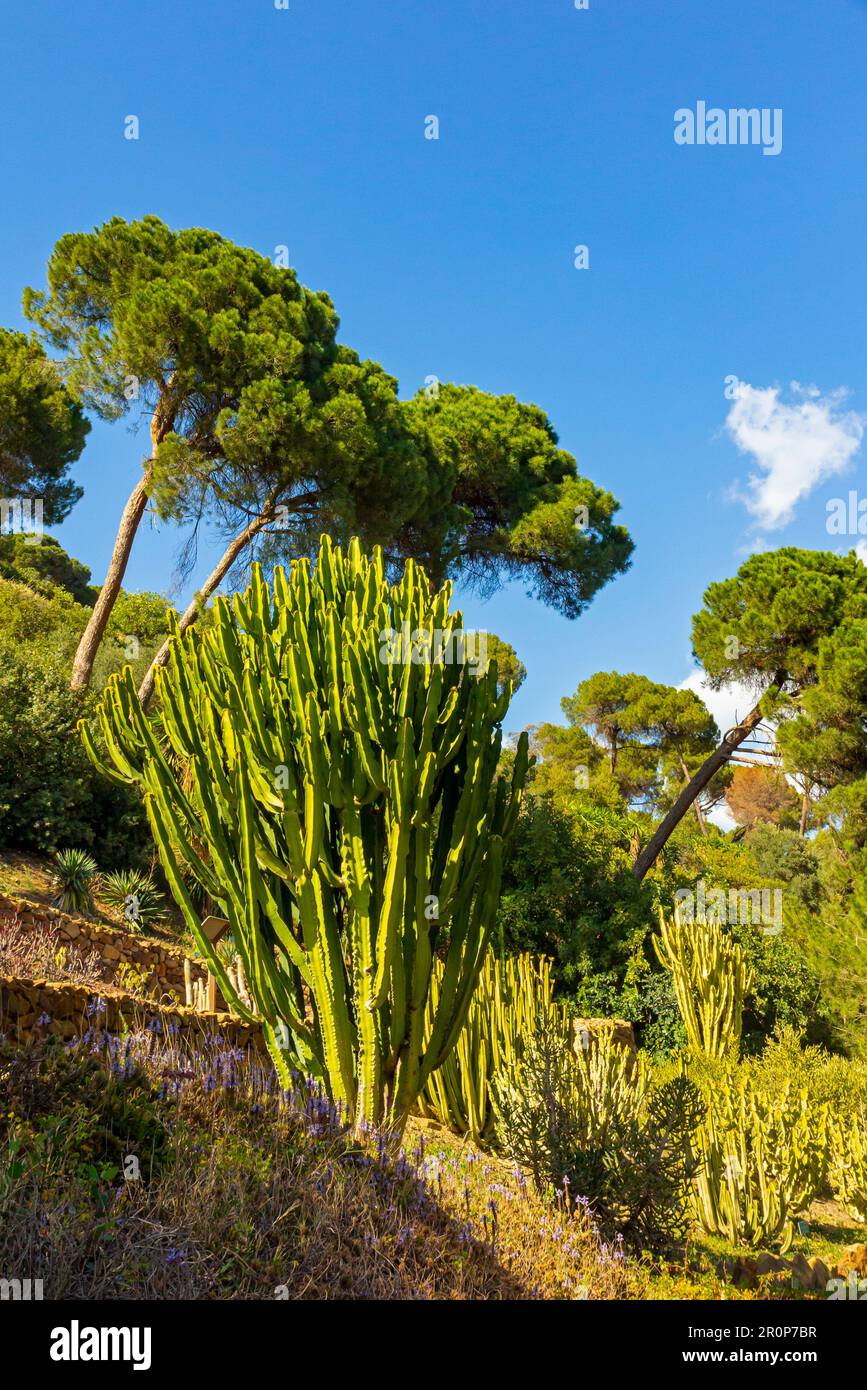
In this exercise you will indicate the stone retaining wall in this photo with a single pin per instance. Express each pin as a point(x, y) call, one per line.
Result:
point(585, 1031)
point(113, 944)
point(32, 1009)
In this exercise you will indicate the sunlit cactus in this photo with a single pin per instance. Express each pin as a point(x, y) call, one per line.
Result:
point(847, 1165)
point(764, 1159)
point(508, 1001)
point(710, 977)
point(324, 764)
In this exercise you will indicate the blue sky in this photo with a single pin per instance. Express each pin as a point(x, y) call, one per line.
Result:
point(454, 257)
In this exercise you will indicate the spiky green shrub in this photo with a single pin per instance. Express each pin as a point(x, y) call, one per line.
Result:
point(764, 1159)
point(509, 997)
point(847, 1164)
point(559, 1103)
point(586, 1121)
point(648, 1172)
point(710, 977)
point(339, 766)
point(133, 893)
point(72, 880)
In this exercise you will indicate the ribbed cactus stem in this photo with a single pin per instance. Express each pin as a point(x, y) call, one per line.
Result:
point(710, 978)
point(324, 794)
point(764, 1159)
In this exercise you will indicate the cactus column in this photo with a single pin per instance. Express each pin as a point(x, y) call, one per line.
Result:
point(323, 763)
point(710, 977)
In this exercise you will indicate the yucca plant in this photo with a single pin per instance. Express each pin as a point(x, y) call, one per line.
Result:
point(72, 880)
point(133, 893)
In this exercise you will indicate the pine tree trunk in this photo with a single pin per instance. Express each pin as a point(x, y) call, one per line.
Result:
point(162, 422)
point(82, 666)
point(718, 758)
point(698, 811)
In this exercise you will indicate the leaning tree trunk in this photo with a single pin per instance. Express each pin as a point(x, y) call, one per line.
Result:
point(194, 608)
point(718, 758)
point(82, 667)
point(695, 805)
point(88, 646)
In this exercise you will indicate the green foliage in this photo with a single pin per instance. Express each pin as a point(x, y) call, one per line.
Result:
point(586, 1122)
point(649, 1171)
point(72, 880)
point(348, 811)
point(510, 996)
point(847, 1168)
point(45, 567)
point(770, 619)
point(651, 736)
point(787, 857)
point(511, 671)
point(559, 1108)
point(62, 1117)
point(51, 796)
point(569, 892)
point(512, 501)
point(39, 624)
point(133, 893)
point(784, 990)
point(42, 428)
point(710, 977)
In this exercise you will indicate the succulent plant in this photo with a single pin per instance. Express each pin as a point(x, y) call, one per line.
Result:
point(710, 977)
point(72, 880)
point(134, 893)
point(348, 802)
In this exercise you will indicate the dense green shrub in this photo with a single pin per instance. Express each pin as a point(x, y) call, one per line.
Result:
point(587, 1123)
point(51, 796)
point(45, 568)
point(569, 891)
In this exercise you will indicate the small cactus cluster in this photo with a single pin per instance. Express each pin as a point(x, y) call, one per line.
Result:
point(342, 809)
point(847, 1164)
point(763, 1160)
point(510, 997)
point(710, 977)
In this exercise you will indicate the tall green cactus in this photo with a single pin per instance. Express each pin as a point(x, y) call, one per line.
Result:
point(710, 977)
point(342, 781)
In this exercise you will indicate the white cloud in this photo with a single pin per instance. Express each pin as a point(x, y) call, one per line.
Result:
point(795, 446)
point(727, 705)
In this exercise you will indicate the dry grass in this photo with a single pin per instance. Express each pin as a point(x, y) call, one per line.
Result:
point(247, 1194)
